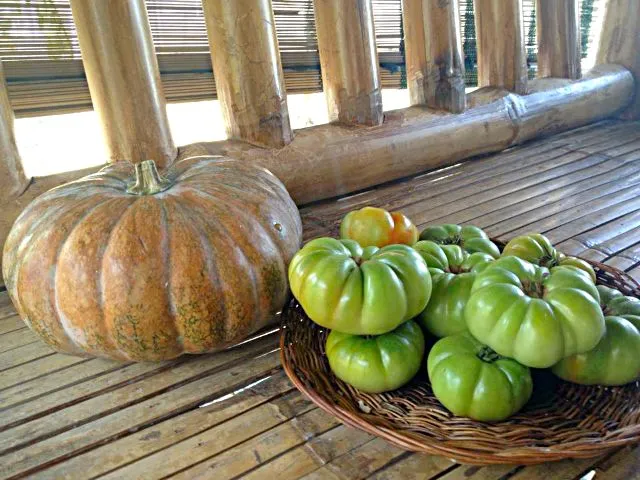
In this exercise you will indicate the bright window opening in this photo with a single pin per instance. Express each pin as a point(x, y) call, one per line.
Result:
point(59, 143)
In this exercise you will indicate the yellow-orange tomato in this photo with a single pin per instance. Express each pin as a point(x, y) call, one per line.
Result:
point(371, 226)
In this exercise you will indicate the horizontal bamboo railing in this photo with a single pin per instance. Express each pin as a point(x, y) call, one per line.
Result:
point(329, 160)
point(442, 127)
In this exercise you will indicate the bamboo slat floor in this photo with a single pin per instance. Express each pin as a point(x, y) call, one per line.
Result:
point(235, 414)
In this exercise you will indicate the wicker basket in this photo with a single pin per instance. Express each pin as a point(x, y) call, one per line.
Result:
point(562, 420)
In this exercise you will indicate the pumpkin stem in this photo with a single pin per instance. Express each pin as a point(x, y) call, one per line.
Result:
point(148, 180)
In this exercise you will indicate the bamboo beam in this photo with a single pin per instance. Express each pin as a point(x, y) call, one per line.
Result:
point(124, 80)
point(325, 161)
point(502, 61)
point(433, 52)
point(13, 180)
point(620, 43)
point(247, 69)
point(349, 61)
point(558, 34)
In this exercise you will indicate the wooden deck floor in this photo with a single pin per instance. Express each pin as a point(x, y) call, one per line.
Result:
point(235, 414)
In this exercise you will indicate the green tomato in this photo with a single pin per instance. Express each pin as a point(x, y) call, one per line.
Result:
point(534, 248)
point(575, 262)
point(362, 292)
point(470, 238)
point(615, 303)
point(537, 249)
point(472, 381)
point(535, 315)
point(452, 274)
point(614, 361)
point(376, 363)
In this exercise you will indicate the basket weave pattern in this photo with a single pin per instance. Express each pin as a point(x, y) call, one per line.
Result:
point(562, 420)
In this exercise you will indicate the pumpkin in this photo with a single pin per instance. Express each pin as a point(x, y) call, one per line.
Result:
point(132, 265)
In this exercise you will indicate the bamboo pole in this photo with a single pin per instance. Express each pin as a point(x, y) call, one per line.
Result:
point(433, 52)
point(326, 161)
point(247, 69)
point(620, 43)
point(415, 51)
point(349, 61)
point(502, 60)
point(558, 34)
point(13, 180)
point(124, 80)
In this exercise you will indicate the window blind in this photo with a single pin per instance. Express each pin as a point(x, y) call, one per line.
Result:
point(42, 62)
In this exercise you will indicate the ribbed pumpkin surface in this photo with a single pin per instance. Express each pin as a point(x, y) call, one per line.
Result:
point(96, 270)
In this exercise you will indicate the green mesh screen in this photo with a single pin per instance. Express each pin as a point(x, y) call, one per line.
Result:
point(590, 11)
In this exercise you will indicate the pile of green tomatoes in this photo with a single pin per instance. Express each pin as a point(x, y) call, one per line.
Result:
point(386, 291)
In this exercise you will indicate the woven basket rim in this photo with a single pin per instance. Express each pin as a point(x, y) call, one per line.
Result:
point(470, 450)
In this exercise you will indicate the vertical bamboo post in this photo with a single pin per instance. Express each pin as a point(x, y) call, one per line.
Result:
point(502, 61)
point(415, 51)
point(557, 27)
point(13, 180)
point(433, 52)
point(124, 79)
point(349, 61)
point(620, 43)
point(248, 71)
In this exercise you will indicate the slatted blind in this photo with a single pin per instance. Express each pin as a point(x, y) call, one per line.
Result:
point(44, 70)
point(39, 47)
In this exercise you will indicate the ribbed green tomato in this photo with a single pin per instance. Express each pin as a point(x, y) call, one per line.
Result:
point(377, 363)
point(614, 361)
point(452, 274)
point(535, 315)
point(537, 249)
point(472, 381)
point(615, 303)
point(534, 248)
point(470, 238)
point(359, 291)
